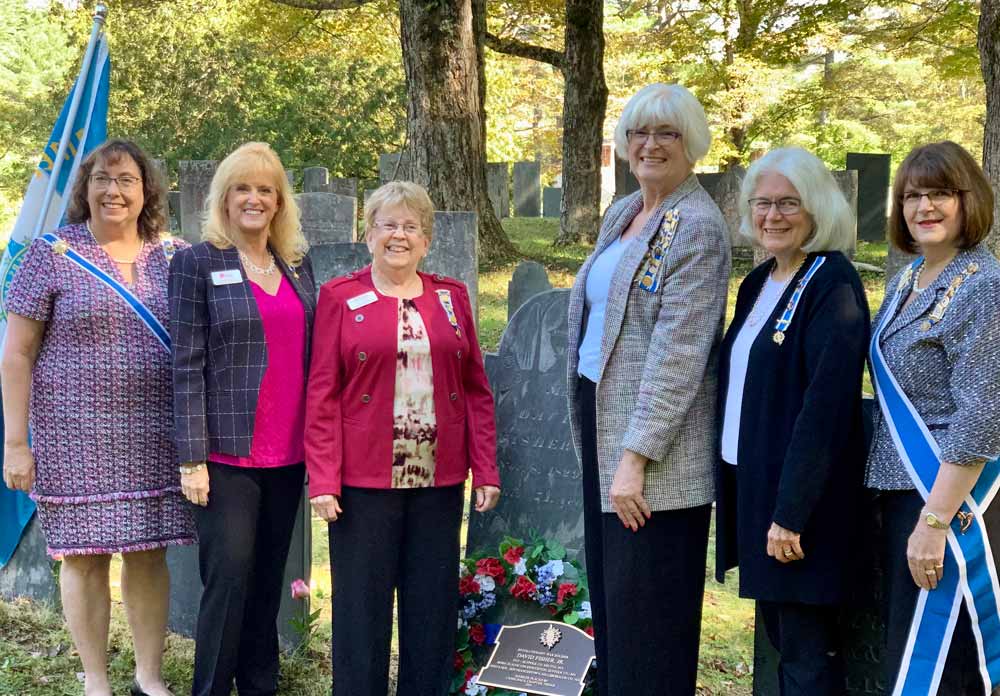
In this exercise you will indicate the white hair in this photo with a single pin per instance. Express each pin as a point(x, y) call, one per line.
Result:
point(833, 219)
point(661, 104)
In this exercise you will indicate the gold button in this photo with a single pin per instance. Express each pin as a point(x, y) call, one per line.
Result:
point(453, 396)
point(365, 398)
point(362, 357)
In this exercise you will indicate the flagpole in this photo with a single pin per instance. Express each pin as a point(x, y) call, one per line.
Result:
point(100, 14)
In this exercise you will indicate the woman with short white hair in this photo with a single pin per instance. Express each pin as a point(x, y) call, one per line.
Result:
point(645, 321)
point(792, 446)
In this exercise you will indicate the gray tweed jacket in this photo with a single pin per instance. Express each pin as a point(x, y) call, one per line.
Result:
point(656, 392)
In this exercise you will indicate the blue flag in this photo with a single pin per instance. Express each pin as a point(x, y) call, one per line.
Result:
point(89, 130)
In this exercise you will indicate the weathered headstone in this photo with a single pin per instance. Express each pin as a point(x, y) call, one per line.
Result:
point(726, 194)
point(290, 177)
point(848, 183)
point(174, 211)
point(332, 260)
point(498, 186)
point(195, 177)
point(316, 180)
point(454, 251)
point(895, 261)
point(186, 587)
point(160, 165)
point(709, 180)
point(344, 187)
point(552, 202)
point(393, 166)
point(625, 181)
point(328, 218)
point(30, 572)
point(873, 191)
point(527, 189)
point(530, 278)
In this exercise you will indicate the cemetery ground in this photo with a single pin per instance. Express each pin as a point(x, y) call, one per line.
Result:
point(36, 653)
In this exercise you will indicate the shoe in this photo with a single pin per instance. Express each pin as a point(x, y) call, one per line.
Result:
point(136, 690)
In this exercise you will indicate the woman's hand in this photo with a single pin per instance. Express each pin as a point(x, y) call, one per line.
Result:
point(327, 507)
point(18, 467)
point(194, 486)
point(626, 491)
point(784, 545)
point(487, 498)
point(925, 554)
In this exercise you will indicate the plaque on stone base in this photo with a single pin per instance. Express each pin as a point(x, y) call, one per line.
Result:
point(547, 658)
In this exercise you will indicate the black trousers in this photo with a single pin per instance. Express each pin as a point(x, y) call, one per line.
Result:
point(805, 635)
point(407, 541)
point(243, 533)
point(646, 587)
point(900, 511)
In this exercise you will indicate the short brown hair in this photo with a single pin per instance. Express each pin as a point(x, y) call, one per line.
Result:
point(152, 220)
point(943, 165)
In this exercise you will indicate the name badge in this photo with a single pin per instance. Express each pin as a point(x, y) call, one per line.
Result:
point(229, 277)
point(362, 300)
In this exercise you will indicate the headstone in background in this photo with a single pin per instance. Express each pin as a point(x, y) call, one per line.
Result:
point(328, 218)
point(498, 187)
point(625, 181)
point(30, 572)
point(333, 260)
point(174, 211)
point(552, 202)
point(393, 166)
point(160, 165)
point(541, 474)
point(316, 180)
point(709, 180)
point(527, 189)
point(848, 183)
point(194, 177)
point(894, 262)
point(344, 187)
point(290, 177)
point(873, 192)
point(726, 194)
point(186, 587)
point(454, 251)
point(530, 278)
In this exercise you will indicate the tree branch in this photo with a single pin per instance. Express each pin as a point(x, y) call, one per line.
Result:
point(322, 4)
point(515, 47)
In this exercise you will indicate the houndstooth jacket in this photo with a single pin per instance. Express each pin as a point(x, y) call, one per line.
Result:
point(657, 389)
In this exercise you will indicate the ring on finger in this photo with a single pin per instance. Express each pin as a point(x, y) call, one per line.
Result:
point(931, 571)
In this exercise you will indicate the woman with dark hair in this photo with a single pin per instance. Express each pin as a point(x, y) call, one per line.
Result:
point(87, 363)
point(935, 361)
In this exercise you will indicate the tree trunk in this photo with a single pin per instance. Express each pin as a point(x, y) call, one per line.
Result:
point(585, 99)
point(989, 60)
point(444, 117)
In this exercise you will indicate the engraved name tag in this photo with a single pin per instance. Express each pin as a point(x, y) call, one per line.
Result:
point(362, 300)
point(227, 277)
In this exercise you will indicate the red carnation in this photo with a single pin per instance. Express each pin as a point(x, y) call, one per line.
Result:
point(493, 568)
point(523, 588)
point(459, 662)
point(589, 630)
point(566, 590)
point(468, 676)
point(513, 554)
point(552, 609)
point(477, 634)
point(468, 585)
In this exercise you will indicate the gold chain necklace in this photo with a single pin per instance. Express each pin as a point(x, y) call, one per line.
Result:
point(753, 318)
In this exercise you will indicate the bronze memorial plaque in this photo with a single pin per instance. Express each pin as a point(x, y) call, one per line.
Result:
point(546, 658)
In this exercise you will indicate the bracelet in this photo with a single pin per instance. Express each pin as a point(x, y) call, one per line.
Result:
point(933, 520)
point(187, 470)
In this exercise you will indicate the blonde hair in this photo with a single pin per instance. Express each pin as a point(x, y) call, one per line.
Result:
point(405, 193)
point(661, 104)
point(249, 159)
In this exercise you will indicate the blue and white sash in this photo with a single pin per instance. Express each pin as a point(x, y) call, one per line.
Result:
point(59, 246)
point(969, 568)
point(785, 320)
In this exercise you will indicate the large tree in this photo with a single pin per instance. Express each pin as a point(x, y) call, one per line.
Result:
point(989, 58)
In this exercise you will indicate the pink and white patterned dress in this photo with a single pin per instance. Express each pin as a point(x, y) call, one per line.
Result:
point(414, 423)
point(101, 411)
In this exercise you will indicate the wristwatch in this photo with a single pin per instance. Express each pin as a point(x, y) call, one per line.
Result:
point(934, 521)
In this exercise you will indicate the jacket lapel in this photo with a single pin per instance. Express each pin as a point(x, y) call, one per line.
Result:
point(931, 294)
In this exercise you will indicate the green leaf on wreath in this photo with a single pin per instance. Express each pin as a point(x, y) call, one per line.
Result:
point(571, 618)
point(557, 551)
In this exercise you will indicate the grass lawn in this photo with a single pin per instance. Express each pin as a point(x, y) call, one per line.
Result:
point(36, 654)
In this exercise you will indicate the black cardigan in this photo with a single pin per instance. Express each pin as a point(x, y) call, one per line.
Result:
point(801, 442)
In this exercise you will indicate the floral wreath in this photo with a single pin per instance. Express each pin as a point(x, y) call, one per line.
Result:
point(536, 573)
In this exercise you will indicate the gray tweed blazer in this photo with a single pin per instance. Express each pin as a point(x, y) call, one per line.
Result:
point(657, 389)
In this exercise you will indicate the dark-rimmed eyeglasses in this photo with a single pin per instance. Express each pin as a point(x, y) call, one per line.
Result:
point(126, 182)
point(659, 137)
point(937, 197)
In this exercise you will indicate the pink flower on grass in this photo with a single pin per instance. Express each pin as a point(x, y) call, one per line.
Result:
point(300, 589)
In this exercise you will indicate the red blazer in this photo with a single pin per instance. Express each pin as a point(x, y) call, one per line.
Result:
point(352, 382)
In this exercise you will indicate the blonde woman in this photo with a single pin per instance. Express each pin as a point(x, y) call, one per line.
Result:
point(241, 309)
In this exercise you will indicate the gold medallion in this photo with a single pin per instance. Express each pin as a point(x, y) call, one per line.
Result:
point(778, 337)
point(60, 247)
point(926, 326)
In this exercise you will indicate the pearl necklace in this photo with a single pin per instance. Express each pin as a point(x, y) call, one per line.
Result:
point(268, 270)
point(754, 318)
point(916, 278)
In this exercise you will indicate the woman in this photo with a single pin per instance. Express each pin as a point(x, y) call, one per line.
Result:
point(399, 410)
point(936, 368)
point(645, 319)
point(790, 401)
point(241, 308)
point(97, 377)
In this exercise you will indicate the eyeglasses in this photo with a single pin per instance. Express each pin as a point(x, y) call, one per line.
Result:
point(786, 206)
point(659, 137)
point(126, 182)
point(937, 197)
point(391, 226)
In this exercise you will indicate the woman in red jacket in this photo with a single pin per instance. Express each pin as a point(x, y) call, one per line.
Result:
point(398, 410)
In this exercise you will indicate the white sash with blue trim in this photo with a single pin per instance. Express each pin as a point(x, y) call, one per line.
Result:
point(60, 246)
point(969, 568)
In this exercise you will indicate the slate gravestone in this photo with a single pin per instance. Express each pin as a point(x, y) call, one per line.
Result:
point(454, 251)
point(726, 194)
point(894, 262)
point(498, 187)
point(328, 218)
point(332, 260)
point(316, 180)
point(551, 202)
point(393, 166)
point(186, 587)
point(160, 165)
point(538, 465)
point(873, 190)
point(709, 180)
point(174, 211)
point(625, 181)
point(290, 177)
point(344, 187)
point(530, 278)
point(527, 189)
point(30, 572)
point(541, 657)
point(195, 176)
